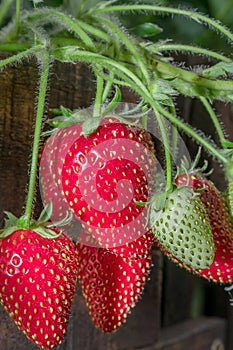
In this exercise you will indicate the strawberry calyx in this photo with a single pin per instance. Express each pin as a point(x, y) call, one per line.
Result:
point(193, 168)
point(88, 122)
point(64, 117)
point(42, 226)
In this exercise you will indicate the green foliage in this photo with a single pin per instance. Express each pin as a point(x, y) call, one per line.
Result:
point(126, 44)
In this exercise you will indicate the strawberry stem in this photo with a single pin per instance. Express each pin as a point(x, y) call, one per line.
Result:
point(215, 120)
point(160, 47)
point(98, 95)
point(189, 131)
point(20, 56)
point(37, 132)
point(195, 16)
point(17, 17)
point(167, 153)
point(4, 8)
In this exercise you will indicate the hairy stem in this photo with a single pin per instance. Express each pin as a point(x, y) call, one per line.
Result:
point(4, 8)
point(198, 17)
point(214, 119)
point(63, 20)
point(17, 17)
point(189, 48)
point(37, 132)
point(19, 56)
point(98, 95)
point(138, 58)
point(189, 131)
point(129, 78)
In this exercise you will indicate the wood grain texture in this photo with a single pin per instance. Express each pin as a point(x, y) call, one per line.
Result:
point(69, 85)
point(197, 334)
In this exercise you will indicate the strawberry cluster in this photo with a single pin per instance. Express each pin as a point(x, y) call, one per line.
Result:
point(97, 184)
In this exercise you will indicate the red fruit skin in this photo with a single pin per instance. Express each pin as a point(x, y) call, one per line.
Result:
point(102, 177)
point(137, 249)
point(101, 197)
point(111, 285)
point(37, 283)
point(221, 270)
point(51, 162)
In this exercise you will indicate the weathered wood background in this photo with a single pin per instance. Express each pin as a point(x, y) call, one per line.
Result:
point(178, 311)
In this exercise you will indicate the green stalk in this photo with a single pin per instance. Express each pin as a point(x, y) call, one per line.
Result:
point(72, 54)
point(108, 85)
point(36, 140)
point(174, 131)
point(19, 56)
point(189, 48)
point(4, 8)
point(214, 119)
point(98, 96)
point(167, 152)
point(170, 71)
point(189, 131)
point(138, 58)
point(14, 47)
point(17, 17)
point(63, 20)
point(198, 17)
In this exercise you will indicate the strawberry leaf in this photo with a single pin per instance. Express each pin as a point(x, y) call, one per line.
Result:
point(146, 30)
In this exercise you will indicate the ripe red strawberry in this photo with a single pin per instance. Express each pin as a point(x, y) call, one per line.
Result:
point(50, 176)
point(110, 284)
point(140, 248)
point(37, 283)
point(100, 177)
point(221, 270)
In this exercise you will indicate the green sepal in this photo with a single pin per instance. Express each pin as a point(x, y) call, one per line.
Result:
point(114, 102)
point(46, 213)
point(146, 30)
point(22, 222)
point(46, 232)
point(159, 200)
point(12, 224)
point(62, 111)
point(90, 125)
point(63, 121)
point(8, 231)
point(11, 219)
point(141, 204)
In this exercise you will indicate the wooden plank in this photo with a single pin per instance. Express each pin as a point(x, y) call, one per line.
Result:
point(198, 334)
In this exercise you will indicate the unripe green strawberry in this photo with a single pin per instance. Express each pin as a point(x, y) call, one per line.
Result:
point(183, 229)
point(221, 270)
